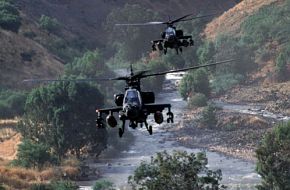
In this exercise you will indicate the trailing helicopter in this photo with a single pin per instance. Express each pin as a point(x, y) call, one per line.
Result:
point(134, 105)
point(170, 37)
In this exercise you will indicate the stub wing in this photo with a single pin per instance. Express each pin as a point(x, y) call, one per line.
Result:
point(153, 108)
point(157, 41)
point(109, 110)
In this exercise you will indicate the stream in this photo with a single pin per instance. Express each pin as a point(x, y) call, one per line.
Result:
point(237, 173)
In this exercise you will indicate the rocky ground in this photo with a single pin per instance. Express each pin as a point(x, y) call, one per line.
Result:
point(237, 134)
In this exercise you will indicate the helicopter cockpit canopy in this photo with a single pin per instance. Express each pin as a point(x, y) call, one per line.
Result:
point(170, 32)
point(132, 97)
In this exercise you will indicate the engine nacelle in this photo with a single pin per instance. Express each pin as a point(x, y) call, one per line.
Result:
point(158, 117)
point(119, 99)
point(179, 33)
point(148, 97)
point(112, 122)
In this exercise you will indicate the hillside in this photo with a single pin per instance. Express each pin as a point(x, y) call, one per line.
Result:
point(33, 52)
point(267, 39)
point(230, 21)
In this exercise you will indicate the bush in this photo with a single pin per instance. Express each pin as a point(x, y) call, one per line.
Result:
point(153, 83)
point(178, 171)
point(281, 67)
point(12, 103)
point(62, 116)
point(9, 16)
point(195, 82)
point(33, 155)
point(49, 24)
point(198, 100)
point(63, 185)
point(2, 187)
point(209, 116)
point(55, 185)
point(103, 185)
point(40, 187)
point(273, 158)
point(223, 82)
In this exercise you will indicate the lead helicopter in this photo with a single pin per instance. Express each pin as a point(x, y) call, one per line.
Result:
point(171, 37)
point(134, 105)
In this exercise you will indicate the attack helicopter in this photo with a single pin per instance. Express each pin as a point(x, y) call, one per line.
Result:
point(134, 105)
point(171, 37)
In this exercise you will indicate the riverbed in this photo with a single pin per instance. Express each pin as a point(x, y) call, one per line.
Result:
point(237, 173)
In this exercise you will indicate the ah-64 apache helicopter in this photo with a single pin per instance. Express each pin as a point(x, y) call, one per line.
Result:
point(171, 37)
point(134, 105)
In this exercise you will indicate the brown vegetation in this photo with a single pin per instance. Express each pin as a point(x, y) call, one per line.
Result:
point(8, 148)
point(231, 20)
point(21, 178)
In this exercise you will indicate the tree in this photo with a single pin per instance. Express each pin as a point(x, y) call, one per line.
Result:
point(195, 82)
point(62, 116)
point(273, 159)
point(178, 171)
point(9, 16)
point(209, 116)
point(32, 155)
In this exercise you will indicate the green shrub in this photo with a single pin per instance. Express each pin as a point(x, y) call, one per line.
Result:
point(2, 187)
point(62, 116)
point(9, 16)
point(40, 187)
point(12, 103)
point(209, 116)
point(103, 185)
point(153, 83)
point(49, 24)
point(223, 82)
point(195, 82)
point(197, 100)
point(32, 155)
point(281, 67)
point(273, 159)
point(178, 171)
point(63, 185)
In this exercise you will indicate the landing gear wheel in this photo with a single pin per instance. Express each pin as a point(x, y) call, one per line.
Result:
point(100, 123)
point(121, 132)
point(191, 42)
point(170, 117)
point(150, 130)
point(154, 47)
point(133, 125)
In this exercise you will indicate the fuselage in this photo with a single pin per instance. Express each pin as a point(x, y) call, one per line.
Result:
point(132, 104)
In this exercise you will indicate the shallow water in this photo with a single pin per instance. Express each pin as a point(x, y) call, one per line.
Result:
point(237, 174)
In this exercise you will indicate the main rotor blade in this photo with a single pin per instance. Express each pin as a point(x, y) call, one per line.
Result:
point(64, 80)
point(189, 68)
point(177, 20)
point(141, 24)
point(197, 17)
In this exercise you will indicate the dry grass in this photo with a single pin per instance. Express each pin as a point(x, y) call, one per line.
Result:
point(230, 21)
point(8, 148)
point(21, 178)
point(18, 178)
